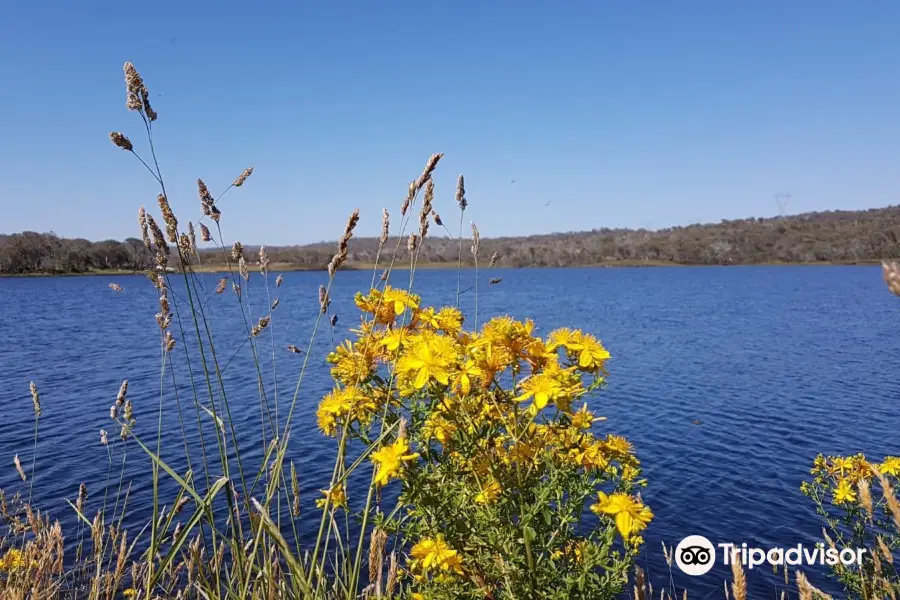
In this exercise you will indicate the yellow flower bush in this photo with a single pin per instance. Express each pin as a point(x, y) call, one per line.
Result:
point(858, 500)
point(490, 436)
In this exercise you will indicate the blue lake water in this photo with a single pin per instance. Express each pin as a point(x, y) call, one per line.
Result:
point(777, 364)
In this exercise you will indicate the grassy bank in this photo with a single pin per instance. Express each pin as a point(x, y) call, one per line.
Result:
point(429, 266)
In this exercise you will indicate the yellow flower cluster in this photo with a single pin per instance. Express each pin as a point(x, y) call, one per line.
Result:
point(489, 414)
point(840, 475)
point(12, 560)
point(434, 555)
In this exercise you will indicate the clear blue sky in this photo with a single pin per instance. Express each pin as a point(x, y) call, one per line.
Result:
point(620, 113)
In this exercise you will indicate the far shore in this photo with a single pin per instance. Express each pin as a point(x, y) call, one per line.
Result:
point(287, 267)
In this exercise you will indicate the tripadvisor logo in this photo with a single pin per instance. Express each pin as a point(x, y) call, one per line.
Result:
point(696, 555)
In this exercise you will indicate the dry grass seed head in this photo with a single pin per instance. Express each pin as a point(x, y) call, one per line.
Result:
point(145, 232)
point(168, 218)
point(295, 489)
point(261, 325)
point(220, 287)
point(121, 141)
point(461, 193)
point(263, 260)
point(35, 398)
point(476, 240)
point(243, 177)
point(412, 243)
point(324, 300)
point(376, 556)
point(204, 233)
point(19, 468)
point(739, 581)
point(385, 227)
point(891, 273)
point(279, 280)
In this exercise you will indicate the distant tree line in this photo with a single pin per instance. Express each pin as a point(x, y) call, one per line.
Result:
point(31, 252)
point(833, 236)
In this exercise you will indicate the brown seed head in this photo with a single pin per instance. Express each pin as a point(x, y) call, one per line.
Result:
point(82, 497)
point(409, 198)
point(259, 327)
point(19, 468)
point(243, 177)
point(295, 489)
point(494, 257)
point(437, 218)
point(206, 199)
point(476, 240)
point(121, 141)
point(429, 169)
point(412, 243)
point(385, 227)
point(221, 286)
point(237, 251)
point(134, 87)
point(168, 218)
point(170, 341)
point(294, 349)
point(461, 193)
point(104, 440)
point(334, 319)
point(324, 300)
point(427, 204)
point(243, 269)
point(162, 248)
point(123, 392)
point(279, 280)
point(204, 233)
point(263, 260)
point(192, 236)
point(145, 231)
point(891, 273)
point(35, 399)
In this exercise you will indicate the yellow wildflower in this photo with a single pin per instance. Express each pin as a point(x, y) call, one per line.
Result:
point(592, 354)
point(467, 373)
point(562, 337)
point(437, 426)
point(631, 516)
point(890, 466)
point(428, 358)
point(12, 560)
point(129, 592)
point(435, 553)
point(844, 492)
point(333, 406)
point(488, 493)
point(450, 319)
point(353, 363)
point(583, 419)
point(399, 300)
point(617, 444)
point(337, 497)
point(390, 459)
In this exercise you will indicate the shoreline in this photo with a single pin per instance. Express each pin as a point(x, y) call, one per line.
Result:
point(620, 264)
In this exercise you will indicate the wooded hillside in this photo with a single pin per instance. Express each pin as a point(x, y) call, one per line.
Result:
point(833, 236)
